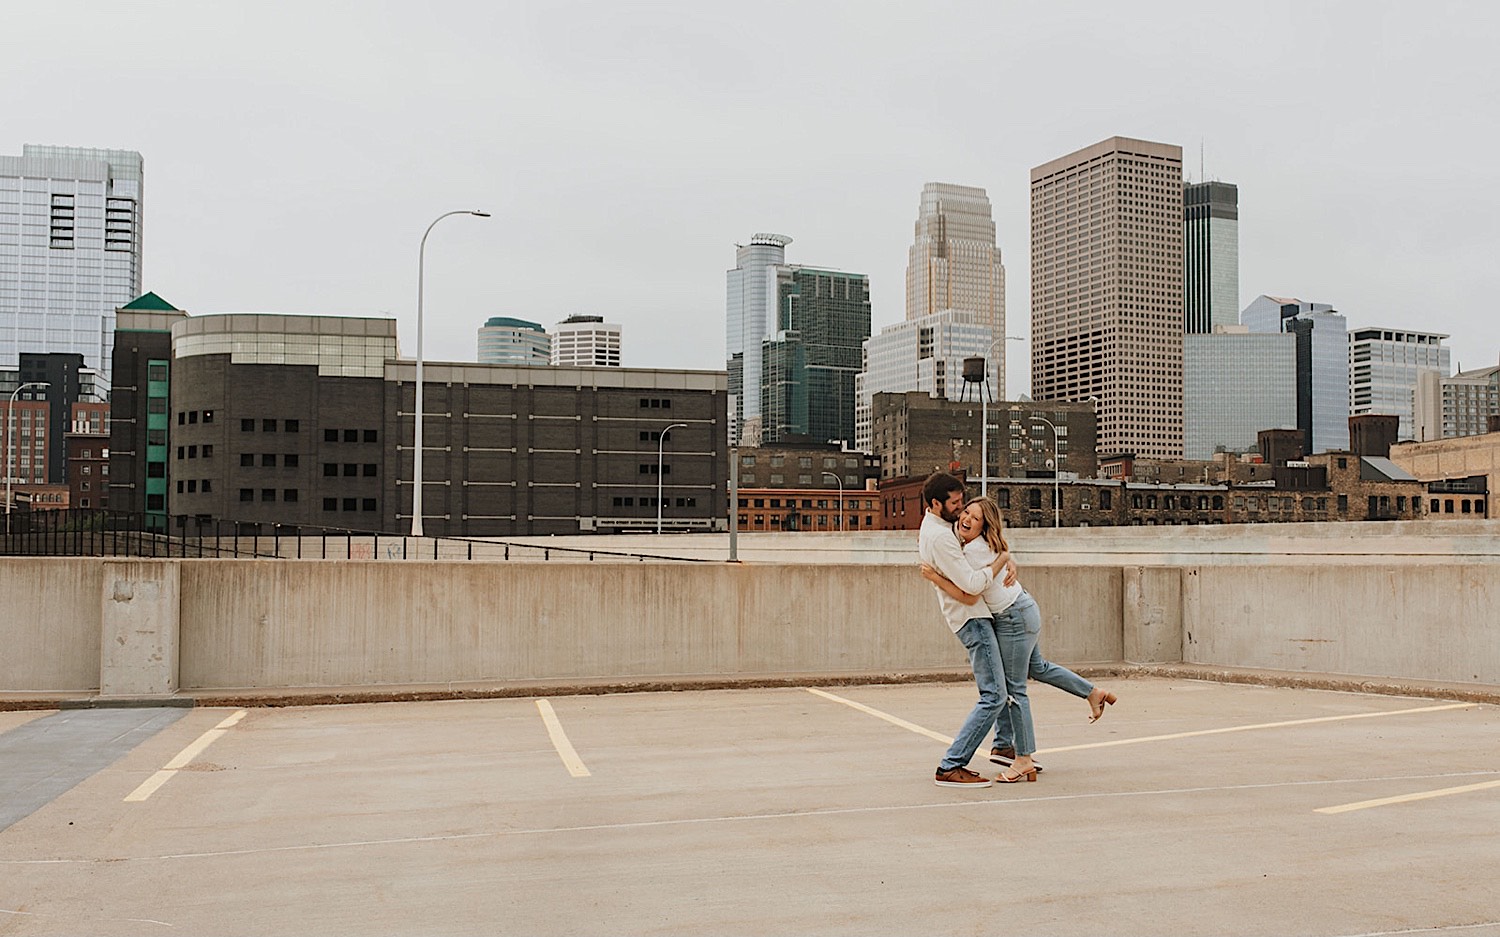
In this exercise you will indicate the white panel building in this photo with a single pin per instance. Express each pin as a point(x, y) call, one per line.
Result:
point(1383, 367)
point(586, 342)
point(922, 354)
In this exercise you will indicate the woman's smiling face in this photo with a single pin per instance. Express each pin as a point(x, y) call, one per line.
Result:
point(970, 523)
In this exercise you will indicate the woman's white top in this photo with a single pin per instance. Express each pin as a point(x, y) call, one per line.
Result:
point(997, 596)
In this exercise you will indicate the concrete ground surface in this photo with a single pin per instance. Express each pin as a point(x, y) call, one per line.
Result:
point(1191, 808)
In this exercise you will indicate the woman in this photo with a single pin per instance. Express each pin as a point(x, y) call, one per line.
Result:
point(1018, 624)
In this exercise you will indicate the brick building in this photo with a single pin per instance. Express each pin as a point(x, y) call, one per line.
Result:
point(814, 510)
point(801, 464)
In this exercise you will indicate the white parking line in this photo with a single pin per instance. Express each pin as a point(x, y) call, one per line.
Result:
point(182, 759)
point(565, 749)
point(1407, 798)
point(893, 720)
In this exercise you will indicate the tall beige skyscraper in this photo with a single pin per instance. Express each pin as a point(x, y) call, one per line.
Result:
point(954, 263)
point(1106, 290)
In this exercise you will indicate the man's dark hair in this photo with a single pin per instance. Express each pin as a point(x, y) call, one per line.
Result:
point(938, 487)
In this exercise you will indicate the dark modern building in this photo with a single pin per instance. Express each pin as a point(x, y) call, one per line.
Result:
point(140, 407)
point(810, 364)
point(798, 463)
point(306, 421)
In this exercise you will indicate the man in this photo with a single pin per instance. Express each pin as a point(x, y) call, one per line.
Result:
point(943, 496)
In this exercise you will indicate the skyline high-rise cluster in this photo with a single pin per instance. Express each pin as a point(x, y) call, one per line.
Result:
point(71, 221)
point(1106, 290)
point(750, 295)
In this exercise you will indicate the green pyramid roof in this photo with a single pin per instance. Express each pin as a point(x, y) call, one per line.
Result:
point(150, 301)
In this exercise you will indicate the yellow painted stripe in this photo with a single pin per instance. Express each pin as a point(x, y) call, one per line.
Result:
point(1408, 798)
point(565, 749)
point(1249, 728)
point(182, 759)
point(893, 720)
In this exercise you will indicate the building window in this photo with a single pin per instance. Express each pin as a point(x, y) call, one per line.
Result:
point(1151, 502)
point(330, 470)
point(1034, 498)
point(330, 435)
point(192, 417)
point(268, 494)
point(748, 460)
point(159, 470)
point(351, 435)
point(181, 453)
point(1433, 507)
point(179, 486)
point(208, 416)
point(330, 504)
point(192, 454)
point(351, 469)
point(1169, 502)
point(1343, 463)
point(208, 485)
point(1002, 497)
point(291, 426)
point(371, 436)
point(1343, 504)
point(1218, 503)
point(156, 372)
point(192, 486)
point(156, 405)
point(351, 504)
point(247, 426)
point(1448, 506)
point(247, 459)
point(290, 460)
point(368, 469)
point(156, 502)
point(247, 494)
point(181, 417)
point(268, 426)
point(268, 460)
point(156, 437)
point(289, 494)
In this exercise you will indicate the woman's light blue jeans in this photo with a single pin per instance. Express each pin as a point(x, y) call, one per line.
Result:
point(1018, 630)
point(978, 637)
point(1039, 669)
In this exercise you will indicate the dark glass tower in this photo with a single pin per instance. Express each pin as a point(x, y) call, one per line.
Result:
point(823, 319)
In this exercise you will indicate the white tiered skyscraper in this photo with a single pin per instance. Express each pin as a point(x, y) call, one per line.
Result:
point(70, 250)
point(953, 262)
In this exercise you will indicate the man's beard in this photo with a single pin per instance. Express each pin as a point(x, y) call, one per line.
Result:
point(950, 516)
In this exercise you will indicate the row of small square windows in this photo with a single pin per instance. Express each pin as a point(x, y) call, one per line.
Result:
point(651, 502)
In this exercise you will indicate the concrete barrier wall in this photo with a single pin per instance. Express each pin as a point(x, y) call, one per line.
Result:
point(269, 623)
point(257, 624)
point(50, 625)
point(1413, 622)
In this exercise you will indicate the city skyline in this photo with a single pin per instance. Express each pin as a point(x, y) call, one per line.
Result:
point(306, 236)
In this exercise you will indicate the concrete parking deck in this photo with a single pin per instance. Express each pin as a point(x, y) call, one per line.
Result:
point(1191, 808)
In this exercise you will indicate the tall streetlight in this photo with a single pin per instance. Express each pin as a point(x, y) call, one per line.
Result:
point(661, 442)
point(10, 450)
point(984, 420)
point(416, 488)
point(840, 480)
point(1056, 470)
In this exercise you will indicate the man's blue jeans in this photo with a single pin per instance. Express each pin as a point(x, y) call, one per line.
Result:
point(1042, 671)
point(978, 637)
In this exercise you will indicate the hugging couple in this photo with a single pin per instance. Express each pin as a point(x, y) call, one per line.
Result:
point(965, 557)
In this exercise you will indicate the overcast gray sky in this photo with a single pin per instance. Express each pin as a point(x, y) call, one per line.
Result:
point(296, 151)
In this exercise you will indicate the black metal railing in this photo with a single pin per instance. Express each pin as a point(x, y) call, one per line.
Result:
point(75, 532)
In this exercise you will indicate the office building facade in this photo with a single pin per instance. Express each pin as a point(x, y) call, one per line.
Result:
point(750, 301)
point(1236, 383)
point(1322, 365)
point(1461, 405)
point(1383, 367)
point(503, 340)
point(1210, 256)
point(70, 250)
point(924, 354)
point(954, 262)
point(586, 342)
point(305, 421)
point(1106, 290)
point(810, 364)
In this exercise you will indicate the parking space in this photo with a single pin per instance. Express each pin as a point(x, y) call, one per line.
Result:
point(1191, 808)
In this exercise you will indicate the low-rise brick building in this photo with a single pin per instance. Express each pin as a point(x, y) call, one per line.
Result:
point(812, 509)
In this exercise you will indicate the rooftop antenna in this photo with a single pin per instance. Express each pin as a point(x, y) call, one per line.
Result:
point(1202, 176)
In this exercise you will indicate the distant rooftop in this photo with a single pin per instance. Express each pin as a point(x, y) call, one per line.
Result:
point(508, 322)
point(150, 302)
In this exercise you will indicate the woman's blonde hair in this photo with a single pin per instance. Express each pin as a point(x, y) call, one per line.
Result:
point(994, 524)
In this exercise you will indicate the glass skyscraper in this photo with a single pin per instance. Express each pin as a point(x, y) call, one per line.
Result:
point(503, 340)
point(953, 262)
point(1210, 256)
point(1235, 384)
point(810, 363)
point(748, 321)
point(1322, 365)
point(70, 250)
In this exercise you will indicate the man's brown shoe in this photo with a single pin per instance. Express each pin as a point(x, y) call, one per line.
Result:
point(960, 777)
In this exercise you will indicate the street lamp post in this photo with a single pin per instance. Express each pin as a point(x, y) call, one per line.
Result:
point(984, 421)
point(1056, 469)
point(840, 481)
point(416, 489)
point(10, 449)
point(661, 442)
